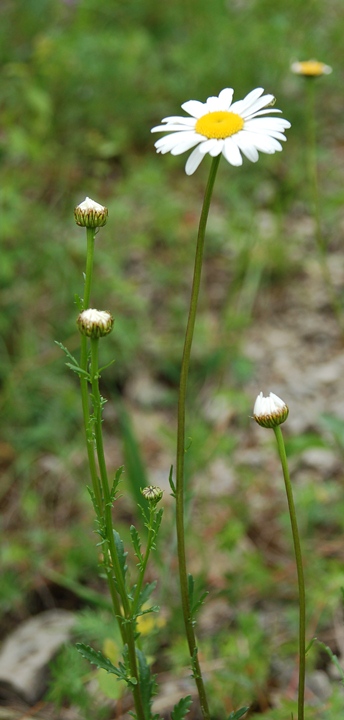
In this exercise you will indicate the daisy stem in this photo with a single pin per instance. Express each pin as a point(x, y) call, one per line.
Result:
point(118, 587)
point(299, 567)
point(315, 202)
point(83, 364)
point(180, 527)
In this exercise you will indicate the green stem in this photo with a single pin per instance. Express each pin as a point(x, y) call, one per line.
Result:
point(300, 575)
point(120, 589)
point(83, 378)
point(315, 203)
point(143, 566)
point(189, 629)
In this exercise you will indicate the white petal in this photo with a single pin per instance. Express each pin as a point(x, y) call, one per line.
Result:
point(185, 145)
point(259, 104)
point(226, 97)
point(257, 410)
point(168, 142)
point(179, 119)
point(195, 108)
point(208, 145)
point(262, 142)
point(214, 104)
point(217, 149)
point(243, 105)
point(231, 152)
point(193, 161)
point(265, 125)
point(246, 146)
point(279, 403)
point(171, 128)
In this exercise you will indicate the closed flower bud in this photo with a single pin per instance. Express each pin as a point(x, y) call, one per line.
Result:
point(95, 323)
point(152, 493)
point(270, 411)
point(90, 214)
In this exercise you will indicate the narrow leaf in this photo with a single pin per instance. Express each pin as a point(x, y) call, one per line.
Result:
point(170, 480)
point(235, 715)
point(120, 553)
point(135, 539)
point(182, 708)
point(147, 683)
point(116, 481)
point(97, 658)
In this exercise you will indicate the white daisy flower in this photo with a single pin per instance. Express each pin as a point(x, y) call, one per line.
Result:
point(218, 126)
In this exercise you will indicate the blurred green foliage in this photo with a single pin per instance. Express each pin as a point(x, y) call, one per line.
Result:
point(81, 85)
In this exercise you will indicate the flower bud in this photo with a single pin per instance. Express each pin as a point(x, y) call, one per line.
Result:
point(270, 411)
point(95, 323)
point(90, 214)
point(152, 493)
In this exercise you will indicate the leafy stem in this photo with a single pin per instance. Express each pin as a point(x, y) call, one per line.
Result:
point(110, 543)
point(153, 525)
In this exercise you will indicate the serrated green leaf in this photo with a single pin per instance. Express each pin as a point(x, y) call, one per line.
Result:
point(136, 541)
point(194, 604)
point(181, 709)
point(157, 521)
point(66, 351)
point(120, 553)
point(146, 593)
point(96, 657)
point(333, 658)
point(236, 714)
point(147, 683)
point(191, 587)
point(116, 481)
point(78, 371)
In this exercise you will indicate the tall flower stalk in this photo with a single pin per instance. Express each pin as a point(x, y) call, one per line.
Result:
point(179, 494)
point(216, 127)
point(271, 412)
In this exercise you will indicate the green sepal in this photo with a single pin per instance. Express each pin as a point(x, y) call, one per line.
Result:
point(182, 708)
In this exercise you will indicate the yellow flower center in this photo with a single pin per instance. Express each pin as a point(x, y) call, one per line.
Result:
point(220, 124)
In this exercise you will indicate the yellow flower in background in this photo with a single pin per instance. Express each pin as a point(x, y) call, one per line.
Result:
point(149, 622)
point(310, 68)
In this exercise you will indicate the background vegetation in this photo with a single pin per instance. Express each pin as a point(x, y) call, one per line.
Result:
point(82, 83)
